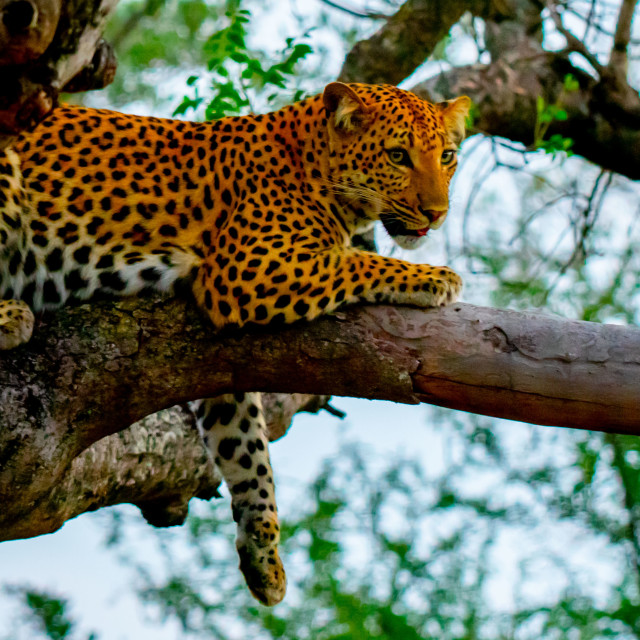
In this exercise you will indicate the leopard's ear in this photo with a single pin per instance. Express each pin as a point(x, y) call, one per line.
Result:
point(345, 108)
point(454, 113)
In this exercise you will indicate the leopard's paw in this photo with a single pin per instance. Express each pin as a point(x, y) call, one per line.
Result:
point(257, 545)
point(441, 287)
point(452, 286)
point(16, 323)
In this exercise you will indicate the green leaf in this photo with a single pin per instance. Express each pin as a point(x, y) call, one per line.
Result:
point(45, 612)
point(239, 57)
point(186, 104)
point(193, 14)
point(571, 83)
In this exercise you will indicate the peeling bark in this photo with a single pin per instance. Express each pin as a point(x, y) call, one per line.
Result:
point(157, 464)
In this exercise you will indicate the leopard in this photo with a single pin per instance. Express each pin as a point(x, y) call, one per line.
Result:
point(255, 214)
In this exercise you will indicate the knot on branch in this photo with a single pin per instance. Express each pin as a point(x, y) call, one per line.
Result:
point(46, 45)
point(99, 73)
point(27, 28)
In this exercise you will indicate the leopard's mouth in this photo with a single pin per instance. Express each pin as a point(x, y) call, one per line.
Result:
point(397, 229)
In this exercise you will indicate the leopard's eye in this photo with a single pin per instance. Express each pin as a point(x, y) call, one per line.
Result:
point(447, 156)
point(400, 156)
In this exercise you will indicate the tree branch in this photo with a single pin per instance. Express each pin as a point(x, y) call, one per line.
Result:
point(604, 114)
point(619, 57)
point(91, 371)
point(604, 131)
point(47, 46)
point(404, 42)
point(574, 44)
point(157, 464)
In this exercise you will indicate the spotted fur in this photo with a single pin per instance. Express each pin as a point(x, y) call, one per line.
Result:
point(255, 212)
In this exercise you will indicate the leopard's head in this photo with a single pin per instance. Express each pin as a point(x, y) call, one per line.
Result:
point(392, 156)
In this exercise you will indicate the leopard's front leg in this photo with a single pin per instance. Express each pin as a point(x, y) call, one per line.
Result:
point(233, 429)
point(369, 277)
point(286, 287)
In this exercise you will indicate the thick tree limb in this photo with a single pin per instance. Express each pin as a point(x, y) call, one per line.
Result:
point(506, 99)
point(404, 42)
point(90, 372)
point(158, 464)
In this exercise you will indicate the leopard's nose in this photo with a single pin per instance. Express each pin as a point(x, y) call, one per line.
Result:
point(435, 216)
point(438, 217)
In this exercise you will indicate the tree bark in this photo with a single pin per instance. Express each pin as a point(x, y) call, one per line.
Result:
point(67, 398)
point(47, 46)
point(91, 371)
point(404, 42)
point(603, 113)
point(157, 464)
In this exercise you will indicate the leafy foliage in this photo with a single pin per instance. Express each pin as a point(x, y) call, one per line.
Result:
point(156, 41)
point(235, 72)
point(160, 42)
point(547, 114)
point(46, 614)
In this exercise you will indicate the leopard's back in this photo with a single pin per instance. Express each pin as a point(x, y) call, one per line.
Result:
point(106, 203)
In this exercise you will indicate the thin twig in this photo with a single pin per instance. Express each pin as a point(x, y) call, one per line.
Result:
point(618, 60)
point(589, 214)
point(574, 43)
point(356, 12)
point(329, 408)
point(546, 206)
point(589, 19)
point(597, 26)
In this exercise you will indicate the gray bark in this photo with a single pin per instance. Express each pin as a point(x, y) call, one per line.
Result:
point(157, 464)
point(68, 398)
